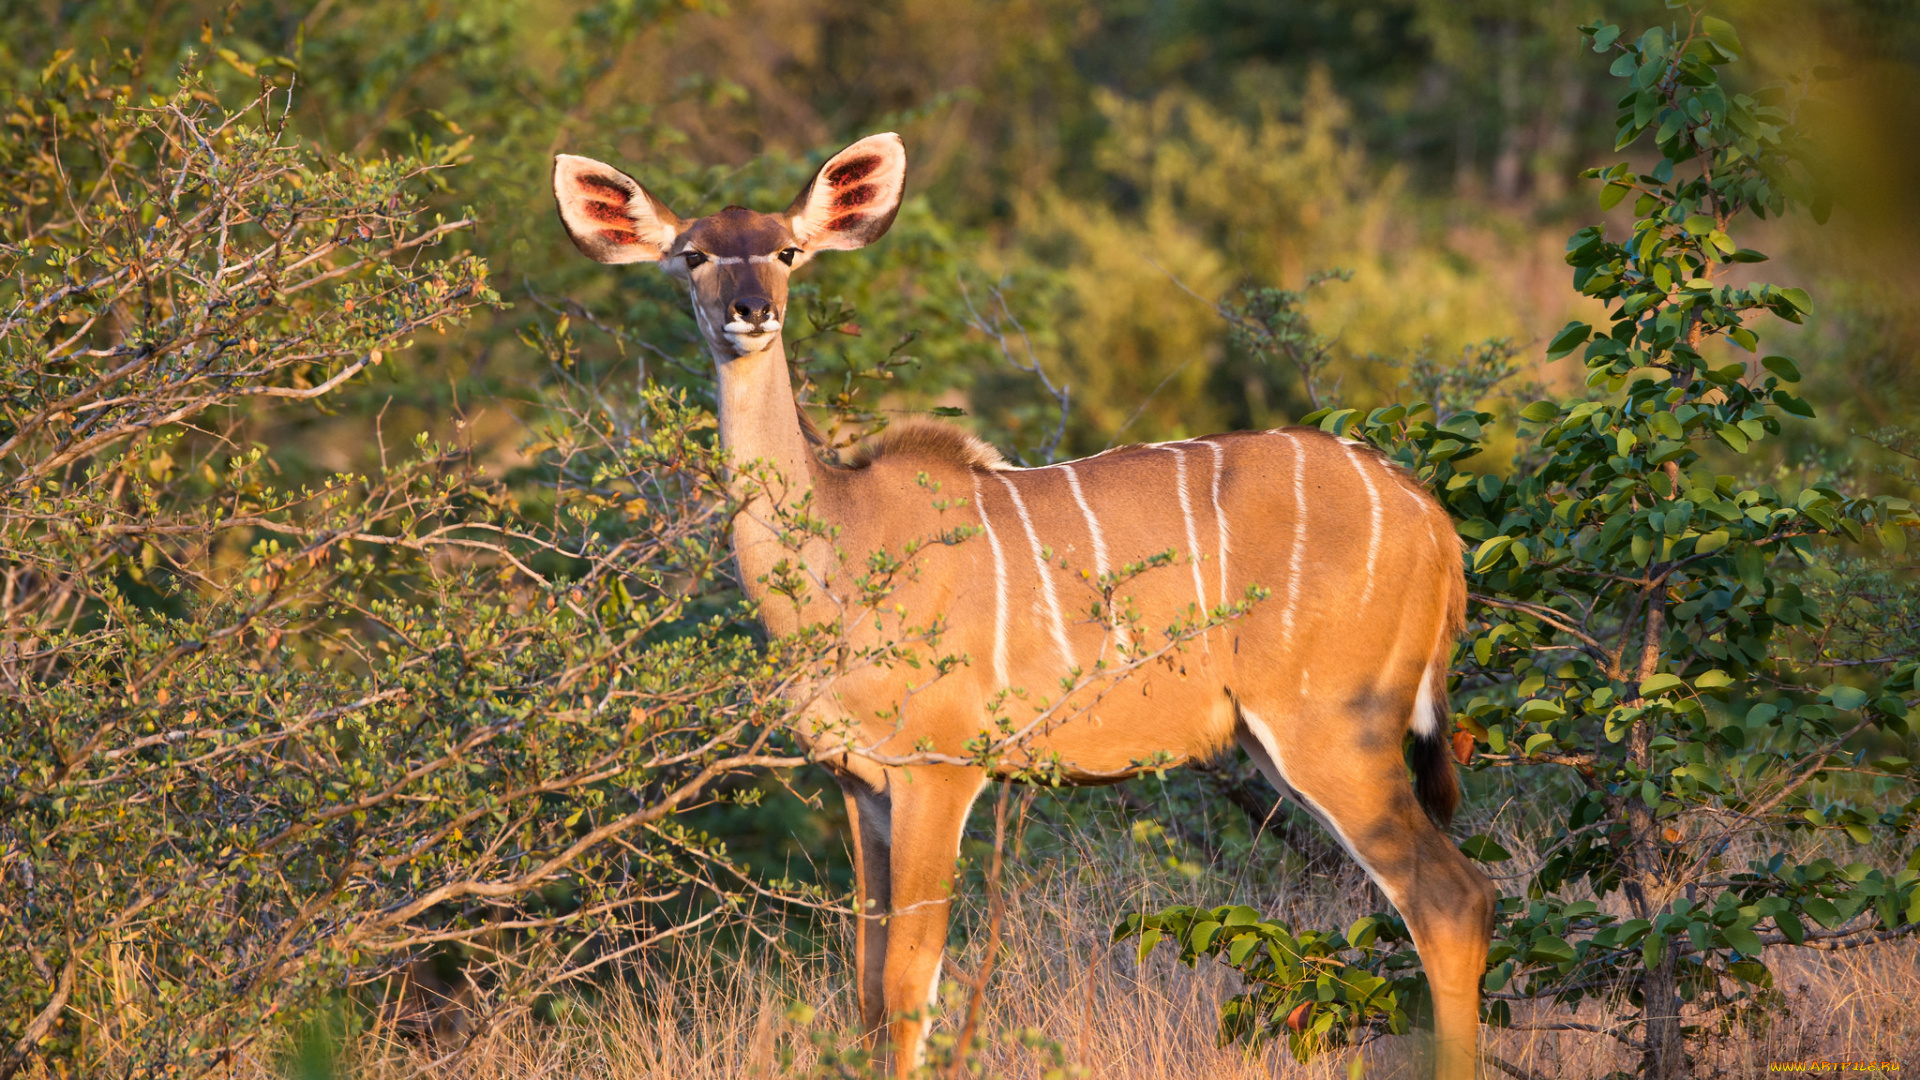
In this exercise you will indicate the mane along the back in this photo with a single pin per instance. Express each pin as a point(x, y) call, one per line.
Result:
point(929, 439)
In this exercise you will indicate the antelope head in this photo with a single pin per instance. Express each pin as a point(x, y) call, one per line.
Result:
point(736, 262)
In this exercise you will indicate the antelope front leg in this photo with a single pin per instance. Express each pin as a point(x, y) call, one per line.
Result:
point(928, 809)
point(868, 812)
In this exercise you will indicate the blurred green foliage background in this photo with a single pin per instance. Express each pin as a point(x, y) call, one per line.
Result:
point(1109, 170)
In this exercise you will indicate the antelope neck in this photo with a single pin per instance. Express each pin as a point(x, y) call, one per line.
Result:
point(772, 467)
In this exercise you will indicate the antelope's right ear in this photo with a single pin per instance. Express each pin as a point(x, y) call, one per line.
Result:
point(611, 218)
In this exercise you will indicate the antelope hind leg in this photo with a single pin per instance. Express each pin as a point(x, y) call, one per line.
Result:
point(1355, 782)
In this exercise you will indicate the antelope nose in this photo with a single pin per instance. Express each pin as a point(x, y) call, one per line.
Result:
point(753, 309)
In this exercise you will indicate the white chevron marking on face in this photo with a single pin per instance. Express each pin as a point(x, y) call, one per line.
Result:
point(1102, 566)
point(1186, 511)
point(999, 592)
point(1375, 516)
point(1220, 514)
point(1054, 622)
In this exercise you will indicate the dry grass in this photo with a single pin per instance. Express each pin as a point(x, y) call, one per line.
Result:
point(697, 1018)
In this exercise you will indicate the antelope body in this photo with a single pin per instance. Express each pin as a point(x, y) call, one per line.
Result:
point(1320, 682)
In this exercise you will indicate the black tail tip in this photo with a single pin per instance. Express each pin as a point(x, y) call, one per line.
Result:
point(1435, 783)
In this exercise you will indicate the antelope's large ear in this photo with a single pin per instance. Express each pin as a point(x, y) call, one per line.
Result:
point(851, 201)
point(610, 217)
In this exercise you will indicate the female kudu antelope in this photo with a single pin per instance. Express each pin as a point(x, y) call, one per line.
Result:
point(1320, 683)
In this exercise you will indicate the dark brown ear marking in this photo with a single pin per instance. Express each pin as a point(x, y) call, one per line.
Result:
point(612, 215)
point(620, 236)
point(851, 171)
point(858, 195)
point(605, 186)
point(845, 222)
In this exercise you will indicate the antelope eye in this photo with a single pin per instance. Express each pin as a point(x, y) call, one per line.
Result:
point(694, 258)
point(787, 254)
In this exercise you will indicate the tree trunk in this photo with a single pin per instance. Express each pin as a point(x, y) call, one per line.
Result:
point(1664, 1055)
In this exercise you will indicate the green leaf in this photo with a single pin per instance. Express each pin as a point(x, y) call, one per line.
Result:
point(1698, 224)
point(1660, 684)
point(1799, 299)
point(1845, 698)
point(1540, 412)
point(1536, 742)
point(1489, 552)
point(1568, 339)
point(1720, 32)
point(1541, 710)
point(1147, 941)
point(1783, 367)
point(1550, 950)
point(1203, 933)
point(947, 410)
point(1242, 945)
point(1611, 195)
point(1790, 926)
point(1744, 939)
point(1823, 911)
point(1711, 542)
point(1712, 679)
point(1483, 848)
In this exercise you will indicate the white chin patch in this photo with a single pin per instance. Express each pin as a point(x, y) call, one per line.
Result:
point(746, 337)
point(746, 343)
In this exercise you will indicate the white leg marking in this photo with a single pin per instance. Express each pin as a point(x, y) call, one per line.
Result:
point(1375, 513)
point(1054, 622)
point(1186, 511)
point(1220, 514)
point(1101, 565)
point(1298, 555)
point(1276, 769)
point(999, 592)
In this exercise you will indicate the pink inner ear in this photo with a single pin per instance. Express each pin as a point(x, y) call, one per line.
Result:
point(849, 172)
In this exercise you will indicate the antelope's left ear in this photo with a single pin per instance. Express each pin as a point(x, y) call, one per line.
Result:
point(851, 201)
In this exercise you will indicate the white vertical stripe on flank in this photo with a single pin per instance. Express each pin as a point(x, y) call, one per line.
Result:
point(1298, 555)
point(1093, 526)
point(1373, 524)
point(1101, 564)
point(1054, 622)
point(1220, 514)
point(1186, 511)
point(999, 591)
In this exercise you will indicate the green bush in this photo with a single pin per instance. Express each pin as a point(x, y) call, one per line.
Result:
point(268, 744)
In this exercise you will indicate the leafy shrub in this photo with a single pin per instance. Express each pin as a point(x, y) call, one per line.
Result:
point(269, 745)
